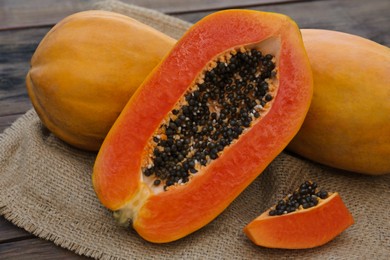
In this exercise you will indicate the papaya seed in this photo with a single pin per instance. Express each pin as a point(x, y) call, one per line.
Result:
point(227, 99)
point(306, 196)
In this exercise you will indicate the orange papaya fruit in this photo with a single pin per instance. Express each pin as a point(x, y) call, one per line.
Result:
point(348, 123)
point(307, 218)
point(207, 120)
point(86, 68)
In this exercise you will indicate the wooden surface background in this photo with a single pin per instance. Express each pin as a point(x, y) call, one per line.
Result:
point(23, 23)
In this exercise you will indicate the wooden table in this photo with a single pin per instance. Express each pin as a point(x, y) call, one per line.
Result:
point(24, 23)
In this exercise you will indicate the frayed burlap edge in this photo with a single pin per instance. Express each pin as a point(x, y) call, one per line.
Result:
point(13, 133)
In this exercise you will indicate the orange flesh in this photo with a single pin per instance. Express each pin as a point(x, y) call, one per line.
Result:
point(305, 228)
point(170, 215)
point(270, 45)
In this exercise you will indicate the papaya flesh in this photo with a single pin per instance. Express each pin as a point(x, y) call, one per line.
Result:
point(348, 123)
point(169, 179)
point(303, 226)
point(86, 68)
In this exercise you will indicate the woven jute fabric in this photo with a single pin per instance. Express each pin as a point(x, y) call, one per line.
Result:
point(45, 188)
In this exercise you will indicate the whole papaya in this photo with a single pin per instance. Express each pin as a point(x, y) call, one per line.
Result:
point(205, 123)
point(85, 70)
point(348, 123)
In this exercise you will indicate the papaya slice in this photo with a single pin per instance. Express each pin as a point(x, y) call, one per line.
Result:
point(307, 218)
point(205, 123)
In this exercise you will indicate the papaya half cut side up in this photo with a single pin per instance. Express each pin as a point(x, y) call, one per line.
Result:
point(205, 123)
point(322, 216)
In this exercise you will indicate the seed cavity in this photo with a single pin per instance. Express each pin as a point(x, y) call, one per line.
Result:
point(233, 92)
point(307, 196)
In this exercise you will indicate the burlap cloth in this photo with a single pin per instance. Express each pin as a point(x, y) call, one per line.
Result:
point(45, 188)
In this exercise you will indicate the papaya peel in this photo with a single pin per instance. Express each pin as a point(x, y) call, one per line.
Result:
point(348, 123)
point(309, 217)
point(171, 179)
point(85, 70)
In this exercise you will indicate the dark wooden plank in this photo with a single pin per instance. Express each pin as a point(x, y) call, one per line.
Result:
point(9, 232)
point(179, 6)
point(16, 50)
point(22, 14)
point(5, 122)
point(369, 20)
point(16, 243)
point(35, 249)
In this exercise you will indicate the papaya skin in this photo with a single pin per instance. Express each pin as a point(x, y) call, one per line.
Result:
point(306, 228)
point(85, 70)
point(182, 209)
point(348, 123)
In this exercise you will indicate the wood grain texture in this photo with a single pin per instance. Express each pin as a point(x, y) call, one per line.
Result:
point(35, 248)
point(366, 19)
point(10, 233)
point(16, 243)
point(5, 122)
point(16, 50)
point(33, 13)
point(37, 13)
point(178, 7)
point(24, 23)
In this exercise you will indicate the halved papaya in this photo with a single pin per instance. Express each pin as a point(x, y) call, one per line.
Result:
point(205, 123)
point(307, 218)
